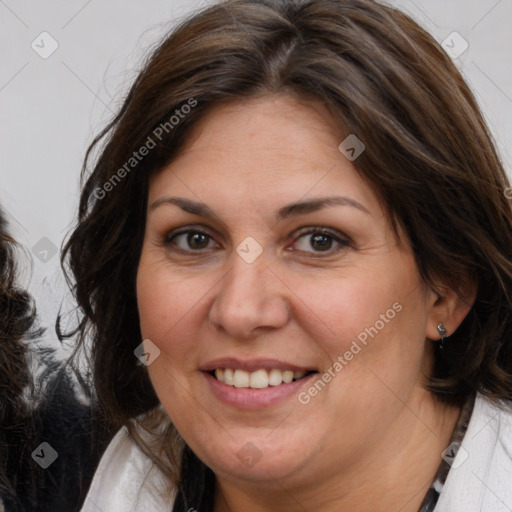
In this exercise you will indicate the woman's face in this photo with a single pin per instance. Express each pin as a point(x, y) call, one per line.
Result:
point(265, 253)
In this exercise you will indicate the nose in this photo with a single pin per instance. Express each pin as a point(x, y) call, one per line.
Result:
point(251, 300)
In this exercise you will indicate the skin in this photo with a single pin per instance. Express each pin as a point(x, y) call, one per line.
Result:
point(373, 438)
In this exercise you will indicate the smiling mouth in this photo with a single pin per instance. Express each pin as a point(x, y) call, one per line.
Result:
point(260, 379)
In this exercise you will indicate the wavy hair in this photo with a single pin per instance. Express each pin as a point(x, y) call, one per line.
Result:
point(39, 408)
point(17, 317)
point(429, 157)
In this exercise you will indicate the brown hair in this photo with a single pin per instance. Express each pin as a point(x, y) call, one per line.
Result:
point(429, 157)
point(30, 402)
point(17, 317)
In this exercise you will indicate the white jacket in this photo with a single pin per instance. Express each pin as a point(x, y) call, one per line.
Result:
point(480, 479)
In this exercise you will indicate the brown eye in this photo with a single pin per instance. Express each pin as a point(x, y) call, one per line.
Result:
point(197, 240)
point(189, 240)
point(320, 241)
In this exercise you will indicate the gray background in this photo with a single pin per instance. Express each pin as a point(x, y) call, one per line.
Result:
point(52, 107)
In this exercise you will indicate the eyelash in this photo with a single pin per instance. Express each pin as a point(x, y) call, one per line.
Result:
point(343, 242)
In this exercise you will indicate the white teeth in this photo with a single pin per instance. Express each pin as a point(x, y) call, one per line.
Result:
point(275, 377)
point(260, 379)
point(241, 379)
point(287, 376)
point(229, 376)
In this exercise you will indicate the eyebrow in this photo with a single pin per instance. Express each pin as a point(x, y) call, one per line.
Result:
point(290, 210)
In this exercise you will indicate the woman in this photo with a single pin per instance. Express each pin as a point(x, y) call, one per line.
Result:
point(293, 255)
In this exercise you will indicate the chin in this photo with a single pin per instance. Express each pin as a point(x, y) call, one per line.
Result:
point(257, 459)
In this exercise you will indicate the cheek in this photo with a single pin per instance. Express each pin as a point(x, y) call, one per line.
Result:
point(340, 309)
point(376, 311)
point(159, 297)
point(170, 309)
point(157, 306)
point(163, 320)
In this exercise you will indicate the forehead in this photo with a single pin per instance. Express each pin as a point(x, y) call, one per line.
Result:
point(271, 149)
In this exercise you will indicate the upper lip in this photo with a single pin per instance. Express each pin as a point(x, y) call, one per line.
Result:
point(251, 365)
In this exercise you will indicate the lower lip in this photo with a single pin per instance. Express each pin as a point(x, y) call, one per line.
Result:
point(249, 398)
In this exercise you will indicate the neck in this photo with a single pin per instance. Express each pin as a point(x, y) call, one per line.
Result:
point(396, 476)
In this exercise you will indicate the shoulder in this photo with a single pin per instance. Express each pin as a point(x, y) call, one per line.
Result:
point(480, 476)
point(127, 480)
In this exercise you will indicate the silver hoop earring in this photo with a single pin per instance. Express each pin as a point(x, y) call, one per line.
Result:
point(442, 332)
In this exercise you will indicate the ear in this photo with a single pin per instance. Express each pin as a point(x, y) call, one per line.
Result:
point(449, 309)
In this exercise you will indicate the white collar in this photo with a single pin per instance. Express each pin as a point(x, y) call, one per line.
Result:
point(127, 481)
point(480, 479)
